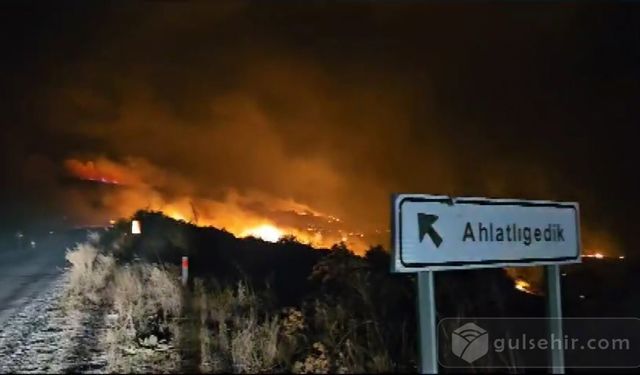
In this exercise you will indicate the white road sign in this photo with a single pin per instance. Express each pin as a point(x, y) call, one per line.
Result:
point(433, 233)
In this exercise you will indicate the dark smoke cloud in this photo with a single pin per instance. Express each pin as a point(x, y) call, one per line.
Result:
point(331, 106)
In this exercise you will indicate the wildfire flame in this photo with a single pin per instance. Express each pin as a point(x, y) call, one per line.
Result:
point(89, 171)
point(601, 255)
point(266, 232)
point(249, 214)
point(524, 286)
point(141, 185)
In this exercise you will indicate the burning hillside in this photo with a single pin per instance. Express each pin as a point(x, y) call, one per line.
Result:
point(283, 130)
point(141, 185)
point(270, 144)
point(243, 214)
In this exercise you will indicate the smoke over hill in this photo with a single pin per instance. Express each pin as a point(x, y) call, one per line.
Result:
point(307, 128)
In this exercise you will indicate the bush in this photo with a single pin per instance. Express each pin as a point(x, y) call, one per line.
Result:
point(144, 300)
point(236, 335)
point(269, 307)
point(239, 333)
point(89, 274)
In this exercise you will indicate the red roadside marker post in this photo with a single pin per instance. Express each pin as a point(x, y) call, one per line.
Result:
point(185, 270)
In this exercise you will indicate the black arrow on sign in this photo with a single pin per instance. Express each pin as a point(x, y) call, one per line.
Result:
point(425, 226)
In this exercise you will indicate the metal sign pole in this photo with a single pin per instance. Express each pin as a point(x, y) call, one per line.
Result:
point(554, 312)
point(427, 342)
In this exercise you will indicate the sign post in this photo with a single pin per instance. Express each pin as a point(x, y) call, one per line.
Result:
point(554, 312)
point(427, 324)
point(436, 233)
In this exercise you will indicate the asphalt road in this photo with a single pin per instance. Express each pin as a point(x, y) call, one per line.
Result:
point(27, 273)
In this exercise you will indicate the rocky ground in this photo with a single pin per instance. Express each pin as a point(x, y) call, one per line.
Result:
point(43, 336)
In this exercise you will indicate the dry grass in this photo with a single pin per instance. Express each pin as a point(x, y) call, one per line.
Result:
point(235, 336)
point(141, 291)
point(89, 274)
point(342, 343)
point(231, 328)
point(142, 301)
point(146, 301)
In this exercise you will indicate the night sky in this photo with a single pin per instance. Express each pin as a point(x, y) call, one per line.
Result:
point(334, 106)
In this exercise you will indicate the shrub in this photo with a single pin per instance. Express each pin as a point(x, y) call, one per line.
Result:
point(89, 274)
point(145, 299)
point(236, 334)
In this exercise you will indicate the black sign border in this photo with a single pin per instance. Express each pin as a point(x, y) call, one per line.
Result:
point(482, 202)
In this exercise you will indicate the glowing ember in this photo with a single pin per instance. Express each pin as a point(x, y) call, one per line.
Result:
point(523, 286)
point(266, 232)
point(596, 255)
